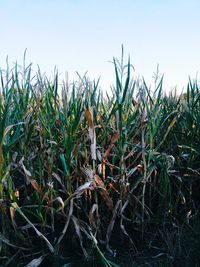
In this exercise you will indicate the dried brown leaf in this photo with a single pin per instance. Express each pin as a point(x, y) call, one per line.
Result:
point(84, 187)
point(12, 216)
point(39, 234)
point(112, 222)
point(65, 227)
point(31, 180)
point(99, 181)
point(103, 192)
point(36, 186)
point(89, 118)
point(78, 232)
point(107, 153)
point(115, 137)
point(92, 217)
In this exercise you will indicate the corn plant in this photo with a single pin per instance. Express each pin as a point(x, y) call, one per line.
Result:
point(78, 166)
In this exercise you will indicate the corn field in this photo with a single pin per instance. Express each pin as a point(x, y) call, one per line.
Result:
point(89, 173)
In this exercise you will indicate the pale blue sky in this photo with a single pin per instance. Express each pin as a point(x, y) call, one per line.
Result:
point(84, 35)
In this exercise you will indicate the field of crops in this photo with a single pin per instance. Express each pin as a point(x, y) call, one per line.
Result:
point(110, 178)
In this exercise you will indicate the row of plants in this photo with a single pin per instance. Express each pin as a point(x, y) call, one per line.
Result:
point(90, 174)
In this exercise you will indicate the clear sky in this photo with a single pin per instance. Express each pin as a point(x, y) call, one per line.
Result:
point(84, 35)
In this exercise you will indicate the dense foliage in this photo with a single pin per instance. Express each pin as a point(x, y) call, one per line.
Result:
point(82, 172)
